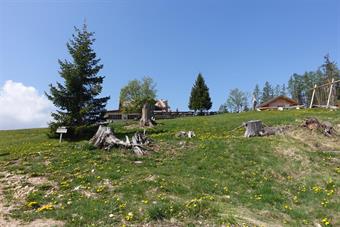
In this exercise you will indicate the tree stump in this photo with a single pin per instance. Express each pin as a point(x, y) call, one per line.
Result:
point(105, 139)
point(253, 128)
point(324, 127)
point(146, 120)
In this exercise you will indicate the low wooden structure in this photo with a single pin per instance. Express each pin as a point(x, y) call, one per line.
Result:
point(116, 115)
point(279, 102)
point(331, 97)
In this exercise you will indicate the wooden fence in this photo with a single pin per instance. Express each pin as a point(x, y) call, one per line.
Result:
point(118, 116)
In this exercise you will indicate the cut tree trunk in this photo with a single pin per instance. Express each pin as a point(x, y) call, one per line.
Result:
point(146, 120)
point(253, 128)
point(105, 139)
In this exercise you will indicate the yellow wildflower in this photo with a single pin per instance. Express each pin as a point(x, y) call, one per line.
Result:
point(45, 207)
point(129, 216)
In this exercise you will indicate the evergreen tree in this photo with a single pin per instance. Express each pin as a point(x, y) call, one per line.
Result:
point(200, 98)
point(283, 91)
point(277, 90)
point(257, 93)
point(330, 70)
point(76, 98)
point(267, 92)
point(297, 88)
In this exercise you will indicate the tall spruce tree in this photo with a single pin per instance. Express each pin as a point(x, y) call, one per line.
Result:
point(77, 98)
point(267, 92)
point(296, 87)
point(331, 71)
point(277, 90)
point(257, 93)
point(283, 91)
point(200, 98)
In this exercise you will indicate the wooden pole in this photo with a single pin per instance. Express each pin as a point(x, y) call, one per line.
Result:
point(61, 136)
point(330, 93)
point(326, 84)
point(311, 102)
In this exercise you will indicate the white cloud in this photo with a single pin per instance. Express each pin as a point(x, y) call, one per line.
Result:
point(22, 107)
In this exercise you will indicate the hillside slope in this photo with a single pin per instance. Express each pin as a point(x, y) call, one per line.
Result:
point(218, 177)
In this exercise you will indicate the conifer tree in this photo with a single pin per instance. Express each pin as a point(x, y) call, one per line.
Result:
point(267, 92)
point(200, 98)
point(77, 96)
point(283, 91)
point(257, 93)
point(331, 71)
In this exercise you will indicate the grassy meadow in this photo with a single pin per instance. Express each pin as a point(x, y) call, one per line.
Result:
point(217, 178)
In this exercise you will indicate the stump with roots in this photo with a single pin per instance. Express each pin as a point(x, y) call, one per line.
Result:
point(105, 139)
point(146, 120)
point(325, 128)
point(253, 128)
point(256, 128)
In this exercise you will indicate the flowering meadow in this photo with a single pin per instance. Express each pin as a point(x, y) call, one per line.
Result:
point(216, 178)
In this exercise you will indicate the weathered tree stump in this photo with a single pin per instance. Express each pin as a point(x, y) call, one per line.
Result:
point(253, 128)
point(146, 120)
point(105, 139)
point(325, 128)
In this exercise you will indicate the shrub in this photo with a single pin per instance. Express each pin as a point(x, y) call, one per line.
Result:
point(73, 132)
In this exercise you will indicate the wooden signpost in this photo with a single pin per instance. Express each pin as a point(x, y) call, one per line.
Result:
point(61, 131)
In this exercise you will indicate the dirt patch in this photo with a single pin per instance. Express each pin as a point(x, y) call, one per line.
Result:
point(37, 180)
point(315, 140)
point(264, 219)
point(21, 186)
point(296, 142)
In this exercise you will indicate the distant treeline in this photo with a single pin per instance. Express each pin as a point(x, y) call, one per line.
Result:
point(299, 88)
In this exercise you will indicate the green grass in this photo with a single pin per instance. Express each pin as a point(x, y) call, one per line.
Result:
point(219, 177)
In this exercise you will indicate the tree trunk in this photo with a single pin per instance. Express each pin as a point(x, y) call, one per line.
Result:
point(105, 139)
point(146, 120)
point(253, 128)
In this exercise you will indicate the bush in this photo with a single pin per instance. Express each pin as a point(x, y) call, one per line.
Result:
point(73, 132)
point(84, 132)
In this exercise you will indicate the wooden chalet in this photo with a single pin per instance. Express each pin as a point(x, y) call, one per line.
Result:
point(279, 102)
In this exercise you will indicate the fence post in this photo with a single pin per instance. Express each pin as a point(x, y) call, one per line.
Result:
point(330, 93)
point(311, 103)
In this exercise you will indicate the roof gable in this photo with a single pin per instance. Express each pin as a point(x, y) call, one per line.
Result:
point(292, 101)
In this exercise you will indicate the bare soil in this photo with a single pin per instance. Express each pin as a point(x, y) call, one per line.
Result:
point(21, 185)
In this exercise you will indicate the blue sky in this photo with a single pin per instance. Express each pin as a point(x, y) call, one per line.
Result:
point(232, 43)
